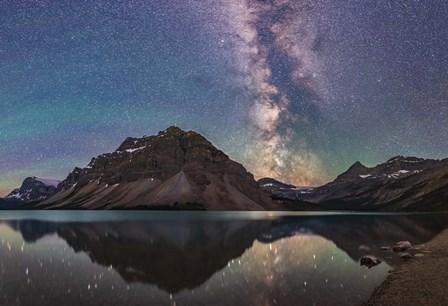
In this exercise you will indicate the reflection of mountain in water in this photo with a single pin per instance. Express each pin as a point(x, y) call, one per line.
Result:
point(172, 256)
point(360, 235)
point(183, 254)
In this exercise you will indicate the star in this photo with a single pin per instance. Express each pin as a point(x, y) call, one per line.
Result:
point(296, 90)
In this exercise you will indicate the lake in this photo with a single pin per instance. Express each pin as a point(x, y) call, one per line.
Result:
point(199, 258)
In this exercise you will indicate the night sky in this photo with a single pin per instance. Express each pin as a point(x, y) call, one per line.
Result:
point(297, 90)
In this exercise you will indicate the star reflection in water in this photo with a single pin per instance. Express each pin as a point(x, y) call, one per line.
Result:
point(301, 260)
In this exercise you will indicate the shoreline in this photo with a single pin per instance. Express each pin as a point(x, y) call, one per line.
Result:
point(419, 280)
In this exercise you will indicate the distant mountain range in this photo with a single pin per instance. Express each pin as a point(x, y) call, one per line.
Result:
point(282, 190)
point(399, 184)
point(182, 170)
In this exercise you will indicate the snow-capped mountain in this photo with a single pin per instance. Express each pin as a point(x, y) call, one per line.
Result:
point(396, 167)
point(34, 189)
point(281, 190)
point(401, 183)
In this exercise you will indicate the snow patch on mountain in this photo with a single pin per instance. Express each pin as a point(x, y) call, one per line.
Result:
point(135, 149)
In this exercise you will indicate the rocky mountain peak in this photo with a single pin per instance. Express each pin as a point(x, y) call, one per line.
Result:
point(172, 131)
point(177, 166)
point(357, 166)
point(34, 189)
point(353, 172)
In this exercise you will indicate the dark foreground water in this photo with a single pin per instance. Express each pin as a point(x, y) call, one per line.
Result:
point(172, 258)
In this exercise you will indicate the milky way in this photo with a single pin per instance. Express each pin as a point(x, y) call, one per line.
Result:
point(297, 90)
point(260, 31)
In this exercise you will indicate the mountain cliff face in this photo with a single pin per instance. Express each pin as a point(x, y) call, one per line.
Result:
point(33, 189)
point(174, 169)
point(400, 184)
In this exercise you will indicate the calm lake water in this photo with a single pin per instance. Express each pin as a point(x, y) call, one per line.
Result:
point(197, 258)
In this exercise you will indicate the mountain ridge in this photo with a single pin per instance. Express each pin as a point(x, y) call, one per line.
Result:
point(177, 169)
point(399, 184)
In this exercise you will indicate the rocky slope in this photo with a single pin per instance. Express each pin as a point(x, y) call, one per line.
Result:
point(33, 189)
point(400, 184)
point(174, 169)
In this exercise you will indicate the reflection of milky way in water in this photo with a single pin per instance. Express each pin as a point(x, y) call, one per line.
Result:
point(199, 262)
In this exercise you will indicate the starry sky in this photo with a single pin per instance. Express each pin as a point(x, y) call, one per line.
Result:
point(297, 90)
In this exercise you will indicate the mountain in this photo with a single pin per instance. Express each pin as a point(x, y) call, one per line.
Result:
point(172, 170)
point(399, 184)
point(33, 189)
point(281, 190)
